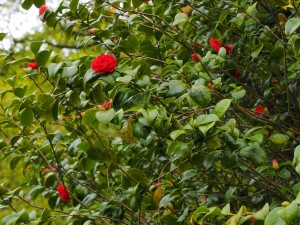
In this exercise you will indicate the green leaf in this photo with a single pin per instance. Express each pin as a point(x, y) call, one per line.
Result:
point(27, 4)
point(131, 43)
point(200, 94)
point(279, 139)
point(55, 108)
point(262, 214)
point(254, 153)
point(15, 218)
point(289, 212)
point(176, 88)
point(42, 57)
point(53, 69)
point(35, 47)
point(39, 3)
point(186, 175)
point(273, 218)
point(44, 101)
point(105, 116)
point(226, 210)
point(74, 5)
point(2, 36)
point(176, 133)
point(257, 49)
point(89, 76)
point(204, 119)
point(211, 158)
point(180, 18)
point(20, 91)
point(238, 93)
point(27, 117)
point(89, 117)
point(138, 175)
point(143, 81)
point(292, 25)
point(136, 3)
point(251, 9)
point(69, 71)
point(45, 215)
point(126, 79)
point(222, 107)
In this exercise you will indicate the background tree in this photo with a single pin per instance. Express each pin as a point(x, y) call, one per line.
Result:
point(170, 112)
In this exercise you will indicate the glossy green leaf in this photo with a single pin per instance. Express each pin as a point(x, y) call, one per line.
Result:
point(35, 46)
point(53, 69)
point(105, 116)
point(279, 139)
point(262, 214)
point(222, 107)
point(180, 18)
point(176, 133)
point(273, 218)
point(27, 117)
point(251, 9)
point(257, 50)
point(176, 88)
point(200, 94)
point(292, 25)
point(74, 5)
point(27, 4)
point(2, 36)
point(42, 57)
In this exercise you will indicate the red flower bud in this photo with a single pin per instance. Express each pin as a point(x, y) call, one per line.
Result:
point(252, 219)
point(63, 192)
point(42, 9)
point(93, 31)
point(196, 45)
point(196, 57)
point(275, 164)
point(105, 63)
point(260, 110)
point(33, 65)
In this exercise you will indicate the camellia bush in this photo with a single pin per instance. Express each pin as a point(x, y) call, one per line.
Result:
point(174, 112)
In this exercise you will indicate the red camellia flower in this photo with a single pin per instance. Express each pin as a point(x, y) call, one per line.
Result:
point(195, 57)
point(216, 45)
point(42, 9)
point(33, 65)
point(275, 164)
point(105, 63)
point(252, 219)
point(106, 105)
point(63, 192)
point(260, 110)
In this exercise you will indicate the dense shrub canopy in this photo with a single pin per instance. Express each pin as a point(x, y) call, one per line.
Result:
point(170, 112)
